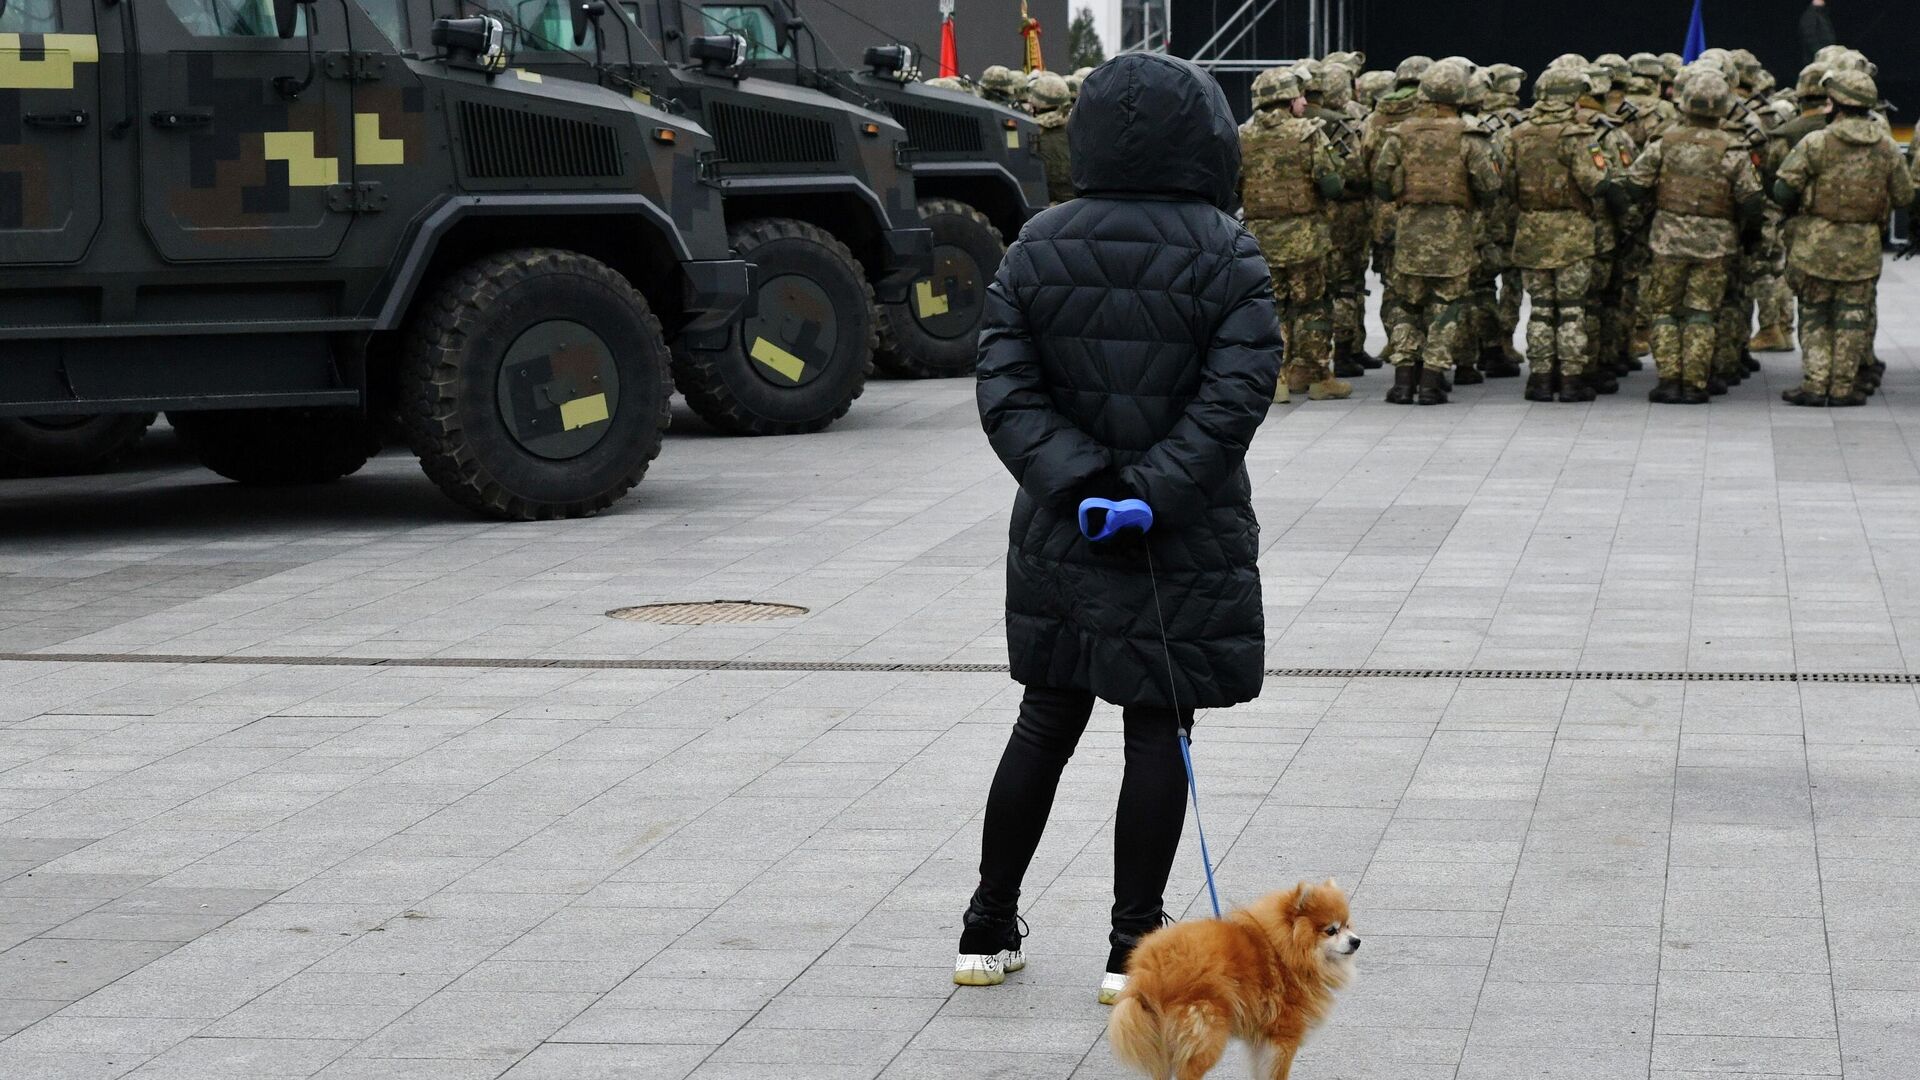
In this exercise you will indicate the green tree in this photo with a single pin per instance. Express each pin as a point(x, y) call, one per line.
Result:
point(1083, 45)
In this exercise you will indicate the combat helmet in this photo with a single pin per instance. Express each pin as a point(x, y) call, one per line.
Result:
point(1572, 60)
point(1562, 84)
point(1647, 72)
point(1828, 53)
point(1370, 85)
point(1601, 76)
point(1853, 60)
point(1354, 62)
point(997, 83)
point(1479, 89)
point(1445, 83)
point(1671, 63)
point(948, 82)
point(1313, 76)
point(1048, 92)
point(1618, 70)
point(1812, 85)
point(1852, 88)
point(1411, 70)
point(1074, 82)
point(1507, 80)
point(1277, 86)
point(1747, 68)
point(1339, 91)
point(1707, 95)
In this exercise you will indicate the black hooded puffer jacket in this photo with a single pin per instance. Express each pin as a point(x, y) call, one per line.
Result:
point(1131, 347)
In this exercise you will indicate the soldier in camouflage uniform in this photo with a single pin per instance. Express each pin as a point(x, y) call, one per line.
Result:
point(1329, 88)
point(1842, 181)
point(1433, 169)
point(1493, 233)
point(1503, 108)
point(1767, 291)
point(1556, 172)
point(1608, 321)
point(1051, 102)
point(1289, 171)
point(1732, 362)
point(1653, 113)
point(1370, 86)
point(1001, 85)
point(1393, 108)
point(1704, 188)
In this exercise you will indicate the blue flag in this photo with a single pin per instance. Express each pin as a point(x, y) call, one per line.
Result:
point(1696, 35)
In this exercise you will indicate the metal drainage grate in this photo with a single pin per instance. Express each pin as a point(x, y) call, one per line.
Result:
point(707, 613)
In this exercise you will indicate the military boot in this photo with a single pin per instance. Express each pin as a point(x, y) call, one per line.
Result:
point(1804, 398)
point(1495, 364)
point(1297, 379)
point(1404, 380)
point(1540, 387)
point(1280, 394)
point(1770, 339)
point(1468, 375)
point(1695, 394)
point(1366, 359)
point(1344, 365)
point(1715, 387)
point(1852, 399)
point(1747, 361)
point(1433, 388)
point(1330, 389)
point(1573, 391)
point(1668, 392)
point(1600, 381)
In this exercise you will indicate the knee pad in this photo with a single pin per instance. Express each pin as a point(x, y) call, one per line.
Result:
point(1699, 318)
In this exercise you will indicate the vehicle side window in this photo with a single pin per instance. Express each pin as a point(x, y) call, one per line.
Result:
point(750, 21)
point(230, 18)
point(550, 27)
point(31, 17)
point(391, 17)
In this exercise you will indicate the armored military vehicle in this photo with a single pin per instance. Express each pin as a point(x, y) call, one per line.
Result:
point(279, 221)
point(973, 167)
point(815, 194)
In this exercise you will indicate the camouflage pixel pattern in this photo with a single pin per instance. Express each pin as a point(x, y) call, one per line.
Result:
point(1282, 159)
point(1836, 332)
point(1557, 332)
point(1683, 298)
point(1306, 319)
point(1852, 152)
point(1694, 236)
point(37, 69)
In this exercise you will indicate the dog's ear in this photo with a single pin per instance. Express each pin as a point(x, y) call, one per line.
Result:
point(1303, 895)
point(1332, 885)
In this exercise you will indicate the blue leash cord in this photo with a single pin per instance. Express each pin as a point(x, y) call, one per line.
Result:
point(1133, 513)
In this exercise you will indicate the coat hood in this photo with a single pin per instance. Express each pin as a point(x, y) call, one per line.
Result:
point(1859, 130)
point(1152, 124)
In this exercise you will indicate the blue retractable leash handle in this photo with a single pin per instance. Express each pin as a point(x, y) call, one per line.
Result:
point(1116, 517)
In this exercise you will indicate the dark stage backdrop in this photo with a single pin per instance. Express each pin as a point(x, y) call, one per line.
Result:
point(1532, 32)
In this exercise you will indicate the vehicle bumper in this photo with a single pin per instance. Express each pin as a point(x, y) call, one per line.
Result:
point(909, 258)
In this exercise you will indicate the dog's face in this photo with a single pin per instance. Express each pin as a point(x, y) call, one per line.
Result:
point(1321, 923)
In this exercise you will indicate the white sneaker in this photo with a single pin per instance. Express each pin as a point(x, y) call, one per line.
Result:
point(988, 969)
point(1110, 987)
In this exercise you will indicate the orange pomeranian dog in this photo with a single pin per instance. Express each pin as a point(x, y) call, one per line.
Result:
point(1265, 974)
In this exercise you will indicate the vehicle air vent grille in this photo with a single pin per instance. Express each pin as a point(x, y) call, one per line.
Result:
point(504, 143)
point(937, 130)
point(746, 135)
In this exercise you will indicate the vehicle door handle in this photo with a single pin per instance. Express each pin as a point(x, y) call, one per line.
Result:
point(177, 118)
point(75, 119)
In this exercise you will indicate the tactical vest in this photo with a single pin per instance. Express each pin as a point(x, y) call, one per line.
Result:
point(1852, 184)
point(1692, 177)
point(1545, 181)
point(1279, 178)
point(1433, 158)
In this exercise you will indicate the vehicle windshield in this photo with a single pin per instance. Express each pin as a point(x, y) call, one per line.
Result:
point(391, 17)
point(31, 17)
point(750, 21)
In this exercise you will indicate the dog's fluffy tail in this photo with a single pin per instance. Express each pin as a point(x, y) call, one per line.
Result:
point(1138, 1037)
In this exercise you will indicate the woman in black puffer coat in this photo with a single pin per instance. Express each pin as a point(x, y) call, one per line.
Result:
point(1130, 350)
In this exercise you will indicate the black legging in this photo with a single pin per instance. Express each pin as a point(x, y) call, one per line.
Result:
point(1146, 833)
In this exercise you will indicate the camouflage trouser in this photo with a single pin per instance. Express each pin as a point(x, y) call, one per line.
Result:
point(1508, 312)
point(1347, 275)
point(1767, 284)
point(1683, 299)
point(1735, 323)
point(1836, 332)
point(1428, 320)
point(1634, 264)
point(1383, 266)
point(1557, 333)
point(1483, 304)
point(1609, 323)
point(1306, 318)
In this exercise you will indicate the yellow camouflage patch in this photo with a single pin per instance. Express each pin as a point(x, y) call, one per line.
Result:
point(54, 70)
point(580, 412)
point(778, 359)
point(526, 76)
point(369, 148)
point(304, 167)
point(926, 303)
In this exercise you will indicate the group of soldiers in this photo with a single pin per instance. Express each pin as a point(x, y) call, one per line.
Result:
point(1048, 96)
point(1644, 206)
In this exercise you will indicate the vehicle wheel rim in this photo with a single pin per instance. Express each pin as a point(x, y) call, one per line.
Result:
point(948, 305)
point(559, 389)
point(793, 336)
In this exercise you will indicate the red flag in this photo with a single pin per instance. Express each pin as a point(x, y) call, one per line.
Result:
point(949, 51)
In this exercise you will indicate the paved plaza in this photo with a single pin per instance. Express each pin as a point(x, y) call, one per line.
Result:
point(405, 804)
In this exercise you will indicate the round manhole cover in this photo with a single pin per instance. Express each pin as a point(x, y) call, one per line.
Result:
point(710, 611)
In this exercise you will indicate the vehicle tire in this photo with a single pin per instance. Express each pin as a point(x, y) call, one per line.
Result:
point(796, 365)
point(278, 446)
point(935, 332)
point(534, 385)
point(65, 445)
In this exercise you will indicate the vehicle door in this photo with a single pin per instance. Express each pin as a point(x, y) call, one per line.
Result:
point(49, 131)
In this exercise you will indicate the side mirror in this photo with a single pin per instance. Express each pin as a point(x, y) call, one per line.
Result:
point(477, 44)
point(586, 16)
point(286, 15)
